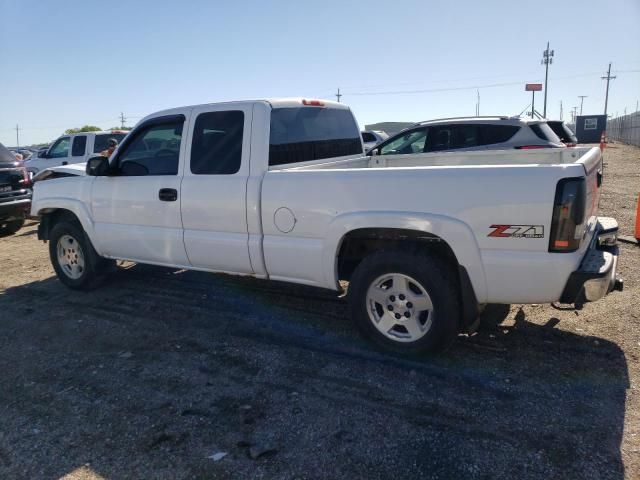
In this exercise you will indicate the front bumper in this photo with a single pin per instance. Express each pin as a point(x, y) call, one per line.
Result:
point(597, 274)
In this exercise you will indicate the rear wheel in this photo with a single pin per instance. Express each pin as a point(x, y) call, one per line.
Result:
point(11, 227)
point(407, 302)
point(74, 259)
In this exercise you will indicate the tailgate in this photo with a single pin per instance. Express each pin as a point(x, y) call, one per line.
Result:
point(592, 163)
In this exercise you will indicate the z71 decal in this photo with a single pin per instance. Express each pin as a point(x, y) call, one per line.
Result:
point(517, 231)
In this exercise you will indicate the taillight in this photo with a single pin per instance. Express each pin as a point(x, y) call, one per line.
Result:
point(567, 223)
point(532, 147)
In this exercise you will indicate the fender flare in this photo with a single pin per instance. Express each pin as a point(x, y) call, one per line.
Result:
point(457, 234)
point(78, 208)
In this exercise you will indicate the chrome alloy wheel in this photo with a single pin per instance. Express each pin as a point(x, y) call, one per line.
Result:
point(399, 307)
point(70, 257)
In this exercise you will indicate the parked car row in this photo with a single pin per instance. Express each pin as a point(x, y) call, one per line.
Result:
point(436, 222)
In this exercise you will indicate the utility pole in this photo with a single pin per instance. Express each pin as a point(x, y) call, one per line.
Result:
point(478, 103)
point(606, 97)
point(122, 120)
point(338, 95)
point(581, 97)
point(547, 58)
point(574, 114)
point(560, 109)
point(17, 135)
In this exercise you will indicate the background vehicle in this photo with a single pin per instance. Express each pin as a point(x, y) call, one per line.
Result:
point(470, 133)
point(280, 189)
point(370, 138)
point(75, 148)
point(15, 193)
point(563, 132)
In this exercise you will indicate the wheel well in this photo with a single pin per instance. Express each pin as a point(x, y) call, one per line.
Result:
point(50, 218)
point(358, 244)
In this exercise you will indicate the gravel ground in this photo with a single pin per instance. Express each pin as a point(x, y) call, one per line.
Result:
point(159, 370)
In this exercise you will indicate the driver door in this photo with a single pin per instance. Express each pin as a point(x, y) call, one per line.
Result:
point(137, 208)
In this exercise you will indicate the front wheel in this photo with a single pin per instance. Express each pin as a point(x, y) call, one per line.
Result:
point(407, 302)
point(74, 259)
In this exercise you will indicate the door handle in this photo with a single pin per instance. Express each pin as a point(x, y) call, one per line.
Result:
point(168, 194)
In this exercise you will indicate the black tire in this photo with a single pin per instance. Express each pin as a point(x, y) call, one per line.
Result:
point(435, 277)
point(95, 267)
point(11, 227)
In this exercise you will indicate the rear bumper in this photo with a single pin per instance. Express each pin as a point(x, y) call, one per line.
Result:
point(597, 274)
point(15, 208)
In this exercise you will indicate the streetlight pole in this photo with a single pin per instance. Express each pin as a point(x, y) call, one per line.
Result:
point(547, 58)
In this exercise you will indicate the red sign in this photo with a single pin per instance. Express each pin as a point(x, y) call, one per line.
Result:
point(532, 87)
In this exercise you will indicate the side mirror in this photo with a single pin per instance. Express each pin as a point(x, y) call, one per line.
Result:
point(97, 166)
point(374, 152)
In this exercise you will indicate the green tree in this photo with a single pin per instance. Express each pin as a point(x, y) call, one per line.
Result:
point(86, 128)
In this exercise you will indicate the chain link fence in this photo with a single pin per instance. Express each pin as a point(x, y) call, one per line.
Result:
point(625, 129)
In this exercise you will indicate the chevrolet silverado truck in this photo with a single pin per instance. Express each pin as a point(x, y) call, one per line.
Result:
point(281, 190)
point(15, 193)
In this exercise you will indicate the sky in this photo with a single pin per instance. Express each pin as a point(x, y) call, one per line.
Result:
point(69, 63)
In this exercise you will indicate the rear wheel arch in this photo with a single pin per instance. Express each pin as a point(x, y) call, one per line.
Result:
point(358, 244)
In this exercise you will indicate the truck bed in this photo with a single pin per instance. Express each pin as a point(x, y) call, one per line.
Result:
point(547, 156)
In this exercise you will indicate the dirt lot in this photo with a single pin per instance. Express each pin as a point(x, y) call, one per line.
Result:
point(150, 375)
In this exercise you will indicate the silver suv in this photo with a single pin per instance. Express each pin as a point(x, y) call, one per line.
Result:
point(470, 133)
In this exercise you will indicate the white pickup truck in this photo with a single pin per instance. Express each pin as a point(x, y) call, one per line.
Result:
point(280, 190)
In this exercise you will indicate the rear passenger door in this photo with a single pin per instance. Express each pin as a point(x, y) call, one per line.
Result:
point(214, 188)
point(454, 137)
point(78, 149)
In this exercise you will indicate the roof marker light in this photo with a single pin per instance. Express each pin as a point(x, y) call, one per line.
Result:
point(312, 103)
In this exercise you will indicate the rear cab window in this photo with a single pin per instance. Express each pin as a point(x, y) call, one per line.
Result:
point(302, 134)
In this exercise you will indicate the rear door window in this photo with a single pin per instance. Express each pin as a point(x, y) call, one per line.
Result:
point(79, 146)
point(217, 143)
point(491, 134)
point(300, 134)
